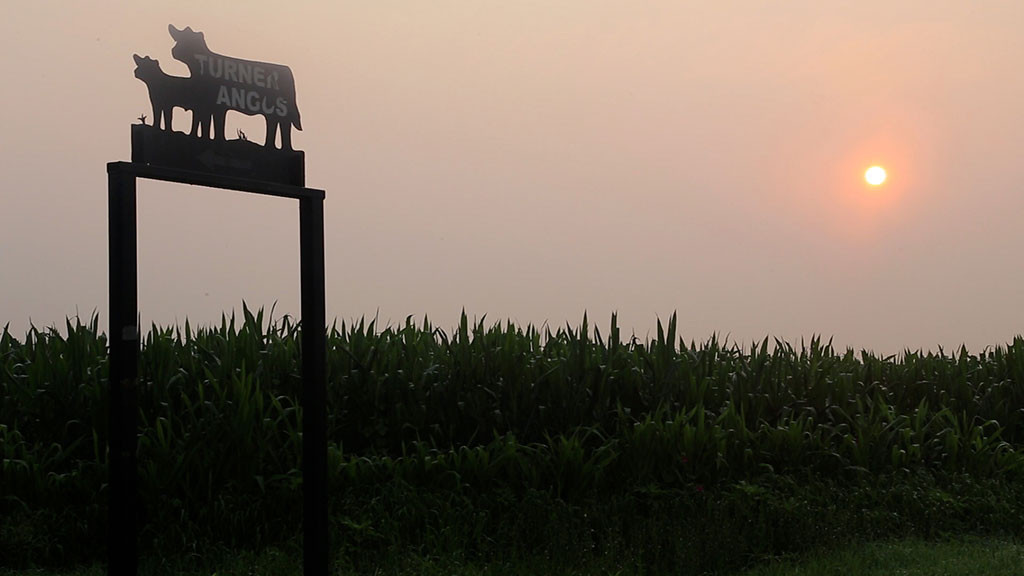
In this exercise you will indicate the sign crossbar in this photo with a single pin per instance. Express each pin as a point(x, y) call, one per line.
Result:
point(212, 180)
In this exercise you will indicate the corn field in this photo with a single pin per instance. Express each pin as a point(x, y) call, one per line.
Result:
point(516, 436)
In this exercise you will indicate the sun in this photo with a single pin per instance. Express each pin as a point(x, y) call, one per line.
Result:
point(875, 175)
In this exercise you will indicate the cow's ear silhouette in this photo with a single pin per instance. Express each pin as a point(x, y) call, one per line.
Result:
point(189, 29)
point(201, 37)
point(174, 31)
point(138, 59)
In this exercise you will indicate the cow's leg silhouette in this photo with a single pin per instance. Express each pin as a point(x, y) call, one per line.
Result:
point(218, 125)
point(204, 127)
point(272, 132)
point(286, 135)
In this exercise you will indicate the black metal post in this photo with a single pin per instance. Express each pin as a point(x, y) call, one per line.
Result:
point(314, 387)
point(124, 356)
point(124, 367)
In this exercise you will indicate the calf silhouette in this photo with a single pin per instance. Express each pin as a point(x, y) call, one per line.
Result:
point(167, 92)
point(224, 83)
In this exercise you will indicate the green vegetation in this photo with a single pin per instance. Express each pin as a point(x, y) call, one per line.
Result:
point(970, 557)
point(908, 558)
point(501, 445)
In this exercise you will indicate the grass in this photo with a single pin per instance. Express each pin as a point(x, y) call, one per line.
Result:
point(972, 557)
point(966, 557)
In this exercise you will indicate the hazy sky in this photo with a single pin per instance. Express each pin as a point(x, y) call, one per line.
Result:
point(532, 160)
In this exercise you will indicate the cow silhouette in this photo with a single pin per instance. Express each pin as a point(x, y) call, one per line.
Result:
point(167, 92)
point(222, 83)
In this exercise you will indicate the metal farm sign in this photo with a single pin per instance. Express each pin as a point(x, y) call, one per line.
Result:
point(205, 157)
point(216, 85)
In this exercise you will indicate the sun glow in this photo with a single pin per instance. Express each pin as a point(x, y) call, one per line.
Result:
point(875, 175)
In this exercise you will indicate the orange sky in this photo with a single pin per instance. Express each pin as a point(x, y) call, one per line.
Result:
point(532, 160)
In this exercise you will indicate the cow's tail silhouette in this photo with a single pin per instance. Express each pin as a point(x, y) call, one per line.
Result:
point(297, 122)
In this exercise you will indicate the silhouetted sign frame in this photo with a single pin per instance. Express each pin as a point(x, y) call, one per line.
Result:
point(160, 154)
